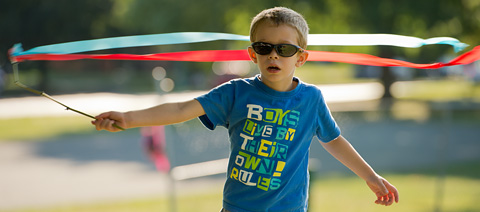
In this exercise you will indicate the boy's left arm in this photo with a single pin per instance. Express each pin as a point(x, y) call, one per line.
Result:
point(344, 152)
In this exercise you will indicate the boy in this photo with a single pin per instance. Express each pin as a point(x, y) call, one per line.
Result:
point(271, 120)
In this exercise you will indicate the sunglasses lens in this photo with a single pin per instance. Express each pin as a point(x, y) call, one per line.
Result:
point(262, 48)
point(286, 50)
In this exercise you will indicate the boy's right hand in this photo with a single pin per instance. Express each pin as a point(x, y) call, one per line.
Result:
point(106, 120)
point(386, 193)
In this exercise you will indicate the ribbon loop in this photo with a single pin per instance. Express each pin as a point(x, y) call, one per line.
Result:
point(232, 55)
point(194, 37)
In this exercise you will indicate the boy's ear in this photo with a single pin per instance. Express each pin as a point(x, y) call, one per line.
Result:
point(252, 54)
point(302, 58)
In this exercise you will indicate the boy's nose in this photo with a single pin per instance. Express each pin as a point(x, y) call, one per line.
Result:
point(273, 55)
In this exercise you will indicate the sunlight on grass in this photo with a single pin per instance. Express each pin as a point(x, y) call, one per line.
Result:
point(417, 193)
point(40, 128)
point(329, 193)
point(440, 90)
point(186, 203)
point(352, 194)
point(327, 74)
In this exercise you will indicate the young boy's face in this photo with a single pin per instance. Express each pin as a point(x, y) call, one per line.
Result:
point(277, 71)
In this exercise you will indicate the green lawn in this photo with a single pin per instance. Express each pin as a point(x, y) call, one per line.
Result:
point(37, 128)
point(328, 74)
point(330, 193)
point(417, 193)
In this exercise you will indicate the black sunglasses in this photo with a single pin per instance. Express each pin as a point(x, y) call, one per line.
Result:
point(284, 50)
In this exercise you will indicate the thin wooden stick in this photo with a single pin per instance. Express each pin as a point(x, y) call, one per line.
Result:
point(41, 93)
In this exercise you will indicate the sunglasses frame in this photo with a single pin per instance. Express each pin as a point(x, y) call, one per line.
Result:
point(277, 47)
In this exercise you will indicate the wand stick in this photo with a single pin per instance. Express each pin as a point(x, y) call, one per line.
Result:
point(41, 93)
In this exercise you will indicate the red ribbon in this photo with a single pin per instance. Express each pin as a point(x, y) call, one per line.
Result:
point(232, 55)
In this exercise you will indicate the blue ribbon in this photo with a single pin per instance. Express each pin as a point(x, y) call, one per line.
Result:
point(194, 37)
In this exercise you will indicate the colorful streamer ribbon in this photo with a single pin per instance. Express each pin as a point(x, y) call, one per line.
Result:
point(231, 55)
point(193, 37)
point(64, 51)
point(381, 39)
point(130, 41)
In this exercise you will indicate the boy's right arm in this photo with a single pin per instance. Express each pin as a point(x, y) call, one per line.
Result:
point(164, 114)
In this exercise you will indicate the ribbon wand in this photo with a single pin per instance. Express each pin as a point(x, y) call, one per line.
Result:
point(41, 93)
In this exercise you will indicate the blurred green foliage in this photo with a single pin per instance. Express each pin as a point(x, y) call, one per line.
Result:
point(45, 22)
point(34, 23)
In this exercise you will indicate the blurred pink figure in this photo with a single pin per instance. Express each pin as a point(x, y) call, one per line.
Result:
point(155, 147)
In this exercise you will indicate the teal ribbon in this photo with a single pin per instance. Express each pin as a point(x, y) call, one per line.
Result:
point(194, 37)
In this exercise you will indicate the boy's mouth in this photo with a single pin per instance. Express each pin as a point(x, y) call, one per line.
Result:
point(273, 68)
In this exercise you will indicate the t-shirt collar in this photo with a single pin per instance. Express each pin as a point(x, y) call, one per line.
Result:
point(270, 91)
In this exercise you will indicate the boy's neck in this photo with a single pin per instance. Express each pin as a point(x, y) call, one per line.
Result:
point(281, 87)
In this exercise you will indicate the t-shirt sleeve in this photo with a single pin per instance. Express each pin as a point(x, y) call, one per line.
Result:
point(327, 128)
point(217, 104)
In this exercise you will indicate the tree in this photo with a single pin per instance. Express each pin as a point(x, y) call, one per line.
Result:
point(35, 23)
point(442, 18)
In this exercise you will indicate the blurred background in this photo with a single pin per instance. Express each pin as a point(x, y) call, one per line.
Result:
point(418, 128)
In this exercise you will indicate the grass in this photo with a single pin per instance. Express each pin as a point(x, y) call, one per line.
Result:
point(440, 90)
point(417, 193)
point(204, 202)
point(331, 193)
point(328, 74)
point(37, 128)
point(420, 190)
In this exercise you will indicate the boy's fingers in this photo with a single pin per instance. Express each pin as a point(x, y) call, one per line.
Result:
point(395, 194)
point(380, 201)
point(103, 115)
point(107, 124)
point(97, 125)
point(111, 127)
point(383, 201)
point(392, 191)
point(390, 199)
point(386, 200)
point(101, 124)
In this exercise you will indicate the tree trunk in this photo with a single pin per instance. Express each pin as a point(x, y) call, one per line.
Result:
point(387, 77)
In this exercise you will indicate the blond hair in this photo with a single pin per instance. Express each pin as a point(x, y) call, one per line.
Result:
point(282, 15)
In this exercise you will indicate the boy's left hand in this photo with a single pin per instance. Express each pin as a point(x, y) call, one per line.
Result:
point(386, 192)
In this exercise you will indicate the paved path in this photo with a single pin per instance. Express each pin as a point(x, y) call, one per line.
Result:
point(31, 180)
point(75, 171)
point(99, 102)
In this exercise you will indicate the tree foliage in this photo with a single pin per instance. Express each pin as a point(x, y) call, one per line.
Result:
point(36, 23)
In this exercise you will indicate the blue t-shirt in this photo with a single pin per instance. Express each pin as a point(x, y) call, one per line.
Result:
point(270, 134)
